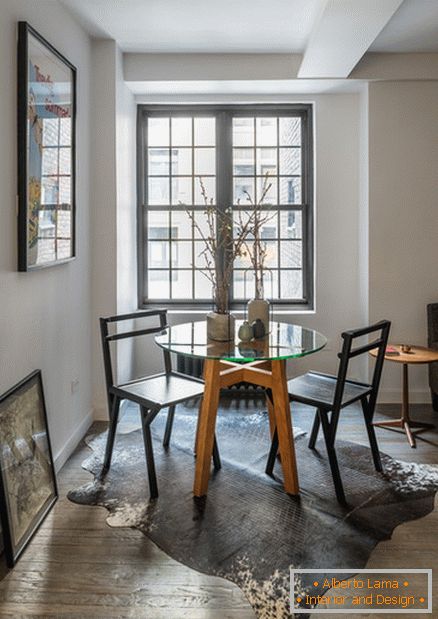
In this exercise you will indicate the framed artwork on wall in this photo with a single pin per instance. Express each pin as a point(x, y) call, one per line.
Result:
point(27, 477)
point(46, 111)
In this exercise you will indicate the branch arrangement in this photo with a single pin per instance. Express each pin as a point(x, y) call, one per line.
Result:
point(222, 244)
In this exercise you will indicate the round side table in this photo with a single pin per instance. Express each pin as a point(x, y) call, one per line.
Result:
point(417, 355)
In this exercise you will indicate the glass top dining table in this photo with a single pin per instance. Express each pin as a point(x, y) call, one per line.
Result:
point(260, 362)
point(284, 341)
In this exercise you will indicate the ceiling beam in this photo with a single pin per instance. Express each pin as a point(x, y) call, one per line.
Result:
point(342, 34)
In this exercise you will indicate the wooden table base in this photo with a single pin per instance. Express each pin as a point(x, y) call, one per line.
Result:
point(405, 423)
point(268, 374)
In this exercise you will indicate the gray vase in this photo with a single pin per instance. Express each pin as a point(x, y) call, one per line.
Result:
point(259, 308)
point(245, 332)
point(220, 327)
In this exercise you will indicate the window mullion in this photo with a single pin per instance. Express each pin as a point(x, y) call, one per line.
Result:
point(224, 174)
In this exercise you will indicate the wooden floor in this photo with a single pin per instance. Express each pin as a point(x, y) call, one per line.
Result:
point(77, 566)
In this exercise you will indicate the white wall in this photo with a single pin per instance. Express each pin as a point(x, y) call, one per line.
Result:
point(403, 216)
point(126, 161)
point(45, 315)
point(104, 204)
point(114, 227)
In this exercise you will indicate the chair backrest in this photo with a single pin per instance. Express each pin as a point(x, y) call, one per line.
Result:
point(108, 337)
point(381, 330)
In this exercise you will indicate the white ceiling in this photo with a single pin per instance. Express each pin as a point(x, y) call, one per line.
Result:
point(190, 26)
point(414, 28)
point(228, 26)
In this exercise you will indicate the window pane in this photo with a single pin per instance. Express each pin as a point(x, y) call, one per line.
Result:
point(158, 224)
point(243, 131)
point(269, 228)
point(266, 131)
point(50, 161)
point(241, 186)
point(202, 228)
point(65, 132)
point(290, 191)
point(182, 190)
point(267, 161)
point(50, 131)
point(203, 287)
point(158, 132)
point(158, 191)
point(64, 249)
point(205, 161)
point(291, 253)
point(158, 254)
point(290, 224)
point(200, 262)
point(267, 190)
point(182, 161)
point(181, 225)
point(181, 131)
point(243, 161)
point(182, 254)
point(210, 189)
point(158, 284)
point(290, 132)
point(158, 161)
point(205, 131)
point(65, 190)
point(64, 223)
point(49, 190)
point(65, 161)
point(182, 285)
point(290, 161)
point(244, 284)
point(270, 282)
point(291, 284)
point(271, 260)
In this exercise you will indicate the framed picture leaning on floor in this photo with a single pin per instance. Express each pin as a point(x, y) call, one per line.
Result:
point(27, 478)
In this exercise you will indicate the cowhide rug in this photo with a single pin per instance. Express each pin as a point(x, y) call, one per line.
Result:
point(248, 530)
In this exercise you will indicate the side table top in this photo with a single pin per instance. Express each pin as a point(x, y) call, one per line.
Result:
point(417, 354)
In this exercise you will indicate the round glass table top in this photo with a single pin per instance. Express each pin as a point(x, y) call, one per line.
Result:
point(284, 341)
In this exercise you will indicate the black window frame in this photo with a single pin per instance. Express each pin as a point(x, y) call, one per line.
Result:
point(224, 189)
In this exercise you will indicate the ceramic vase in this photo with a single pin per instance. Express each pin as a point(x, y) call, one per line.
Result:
point(220, 327)
point(245, 332)
point(259, 309)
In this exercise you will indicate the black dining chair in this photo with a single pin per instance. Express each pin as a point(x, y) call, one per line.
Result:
point(330, 394)
point(151, 393)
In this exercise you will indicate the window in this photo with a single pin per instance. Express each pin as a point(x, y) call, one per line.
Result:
point(230, 149)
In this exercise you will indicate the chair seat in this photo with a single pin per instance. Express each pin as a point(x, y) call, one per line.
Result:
point(161, 390)
point(319, 390)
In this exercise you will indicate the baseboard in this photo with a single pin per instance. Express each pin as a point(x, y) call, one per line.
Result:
point(393, 396)
point(66, 451)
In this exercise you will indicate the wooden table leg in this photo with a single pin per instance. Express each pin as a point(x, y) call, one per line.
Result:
point(284, 426)
point(206, 426)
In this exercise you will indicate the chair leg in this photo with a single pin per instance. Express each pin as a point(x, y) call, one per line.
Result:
point(315, 431)
point(372, 436)
point(147, 438)
point(169, 426)
point(216, 457)
point(111, 436)
point(272, 454)
point(333, 461)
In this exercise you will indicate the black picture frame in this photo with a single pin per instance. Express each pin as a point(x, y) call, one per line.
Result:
point(46, 152)
point(28, 488)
